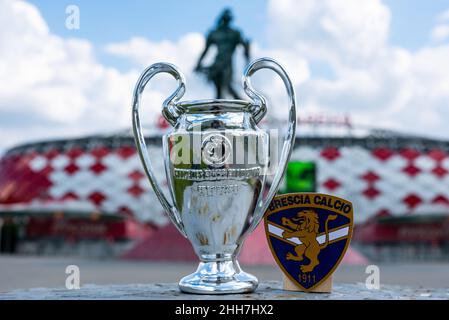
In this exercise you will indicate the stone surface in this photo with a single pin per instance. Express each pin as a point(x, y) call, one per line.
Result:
point(270, 290)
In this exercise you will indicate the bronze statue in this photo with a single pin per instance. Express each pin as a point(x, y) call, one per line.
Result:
point(226, 39)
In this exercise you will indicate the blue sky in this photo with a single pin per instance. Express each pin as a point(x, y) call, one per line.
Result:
point(111, 21)
point(412, 21)
point(370, 59)
point(104, 22)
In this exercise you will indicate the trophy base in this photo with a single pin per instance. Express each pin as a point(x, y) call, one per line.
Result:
point(218, 277)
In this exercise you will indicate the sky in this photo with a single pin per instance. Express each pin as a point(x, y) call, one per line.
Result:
point(385, 63)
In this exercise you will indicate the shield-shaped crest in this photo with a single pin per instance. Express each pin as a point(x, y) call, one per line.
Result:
point(308, 234)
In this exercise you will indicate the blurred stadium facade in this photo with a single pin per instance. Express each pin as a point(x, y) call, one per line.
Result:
point(84, 194)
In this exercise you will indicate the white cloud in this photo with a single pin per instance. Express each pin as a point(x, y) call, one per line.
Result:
point(185, 52)
point(53, 86)
point(182, 53)
point(443, 16)
point(146, 52)
point(332, 29)
point(377, 83)
point(440, 32)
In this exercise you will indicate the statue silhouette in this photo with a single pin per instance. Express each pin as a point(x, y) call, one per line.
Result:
point(226, 40)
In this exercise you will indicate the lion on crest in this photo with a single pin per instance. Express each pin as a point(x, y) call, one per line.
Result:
point(305, 227)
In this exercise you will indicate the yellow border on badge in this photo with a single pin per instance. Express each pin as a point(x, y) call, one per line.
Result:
point(312, 195)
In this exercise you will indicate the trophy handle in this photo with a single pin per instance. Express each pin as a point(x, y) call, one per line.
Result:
point(259, 111)
point(171, 113)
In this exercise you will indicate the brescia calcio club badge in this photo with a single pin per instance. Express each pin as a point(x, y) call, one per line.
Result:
point(308, 234)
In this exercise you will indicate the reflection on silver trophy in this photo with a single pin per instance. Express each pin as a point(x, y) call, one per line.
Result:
point(217, 164)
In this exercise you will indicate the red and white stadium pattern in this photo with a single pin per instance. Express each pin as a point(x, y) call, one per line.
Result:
point(382, 181)
point(381, 176)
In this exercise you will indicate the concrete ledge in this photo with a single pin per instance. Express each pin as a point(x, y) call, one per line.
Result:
point(270, 290)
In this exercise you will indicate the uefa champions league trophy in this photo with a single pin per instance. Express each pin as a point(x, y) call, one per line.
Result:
point(216, 161)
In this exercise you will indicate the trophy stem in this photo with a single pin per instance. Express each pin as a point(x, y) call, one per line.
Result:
point(218, 277)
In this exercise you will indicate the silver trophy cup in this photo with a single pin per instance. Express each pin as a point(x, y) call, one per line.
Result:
point(217, 163)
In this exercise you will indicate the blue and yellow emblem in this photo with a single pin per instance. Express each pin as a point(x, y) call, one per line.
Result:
point(308, 234)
